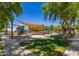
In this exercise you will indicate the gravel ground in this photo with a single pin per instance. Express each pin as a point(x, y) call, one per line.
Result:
point(73, 49)
point(13, 48)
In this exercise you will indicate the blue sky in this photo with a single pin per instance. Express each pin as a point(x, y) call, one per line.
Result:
point(33, 13)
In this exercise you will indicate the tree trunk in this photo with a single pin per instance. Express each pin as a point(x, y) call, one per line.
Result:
point(11, 28)
point(73, 28)
point(64, 31)
point(6, 30)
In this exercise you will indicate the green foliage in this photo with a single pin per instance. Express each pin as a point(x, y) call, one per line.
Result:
point(7, 12)
point(57, 28)
point(48, 27)
point(67, 12)
point(76, 26)
point(45, 47)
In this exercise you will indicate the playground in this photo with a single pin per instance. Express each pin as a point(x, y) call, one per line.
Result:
point(39, 29)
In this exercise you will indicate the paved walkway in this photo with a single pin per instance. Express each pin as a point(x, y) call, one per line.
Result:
point(12, 48)
point(73, 49)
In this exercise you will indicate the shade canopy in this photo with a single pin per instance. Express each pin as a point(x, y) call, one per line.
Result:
point(34, 26)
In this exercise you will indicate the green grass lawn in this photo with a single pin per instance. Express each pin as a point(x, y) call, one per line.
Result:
point(46, 47)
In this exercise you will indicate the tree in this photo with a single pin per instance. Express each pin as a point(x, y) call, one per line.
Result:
point(8, 10)
point(49, 28)
point(67, 12)
point(16, 11)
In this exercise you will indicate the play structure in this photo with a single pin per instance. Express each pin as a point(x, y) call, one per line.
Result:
point(33, 27)
point(20, 30)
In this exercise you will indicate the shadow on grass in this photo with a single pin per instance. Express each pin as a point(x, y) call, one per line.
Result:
point(45, 47)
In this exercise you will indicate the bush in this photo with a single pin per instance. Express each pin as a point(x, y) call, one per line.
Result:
point(59, 51)
point(44, 47)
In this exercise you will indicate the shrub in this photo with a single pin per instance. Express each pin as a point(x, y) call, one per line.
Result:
point(44, 47)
